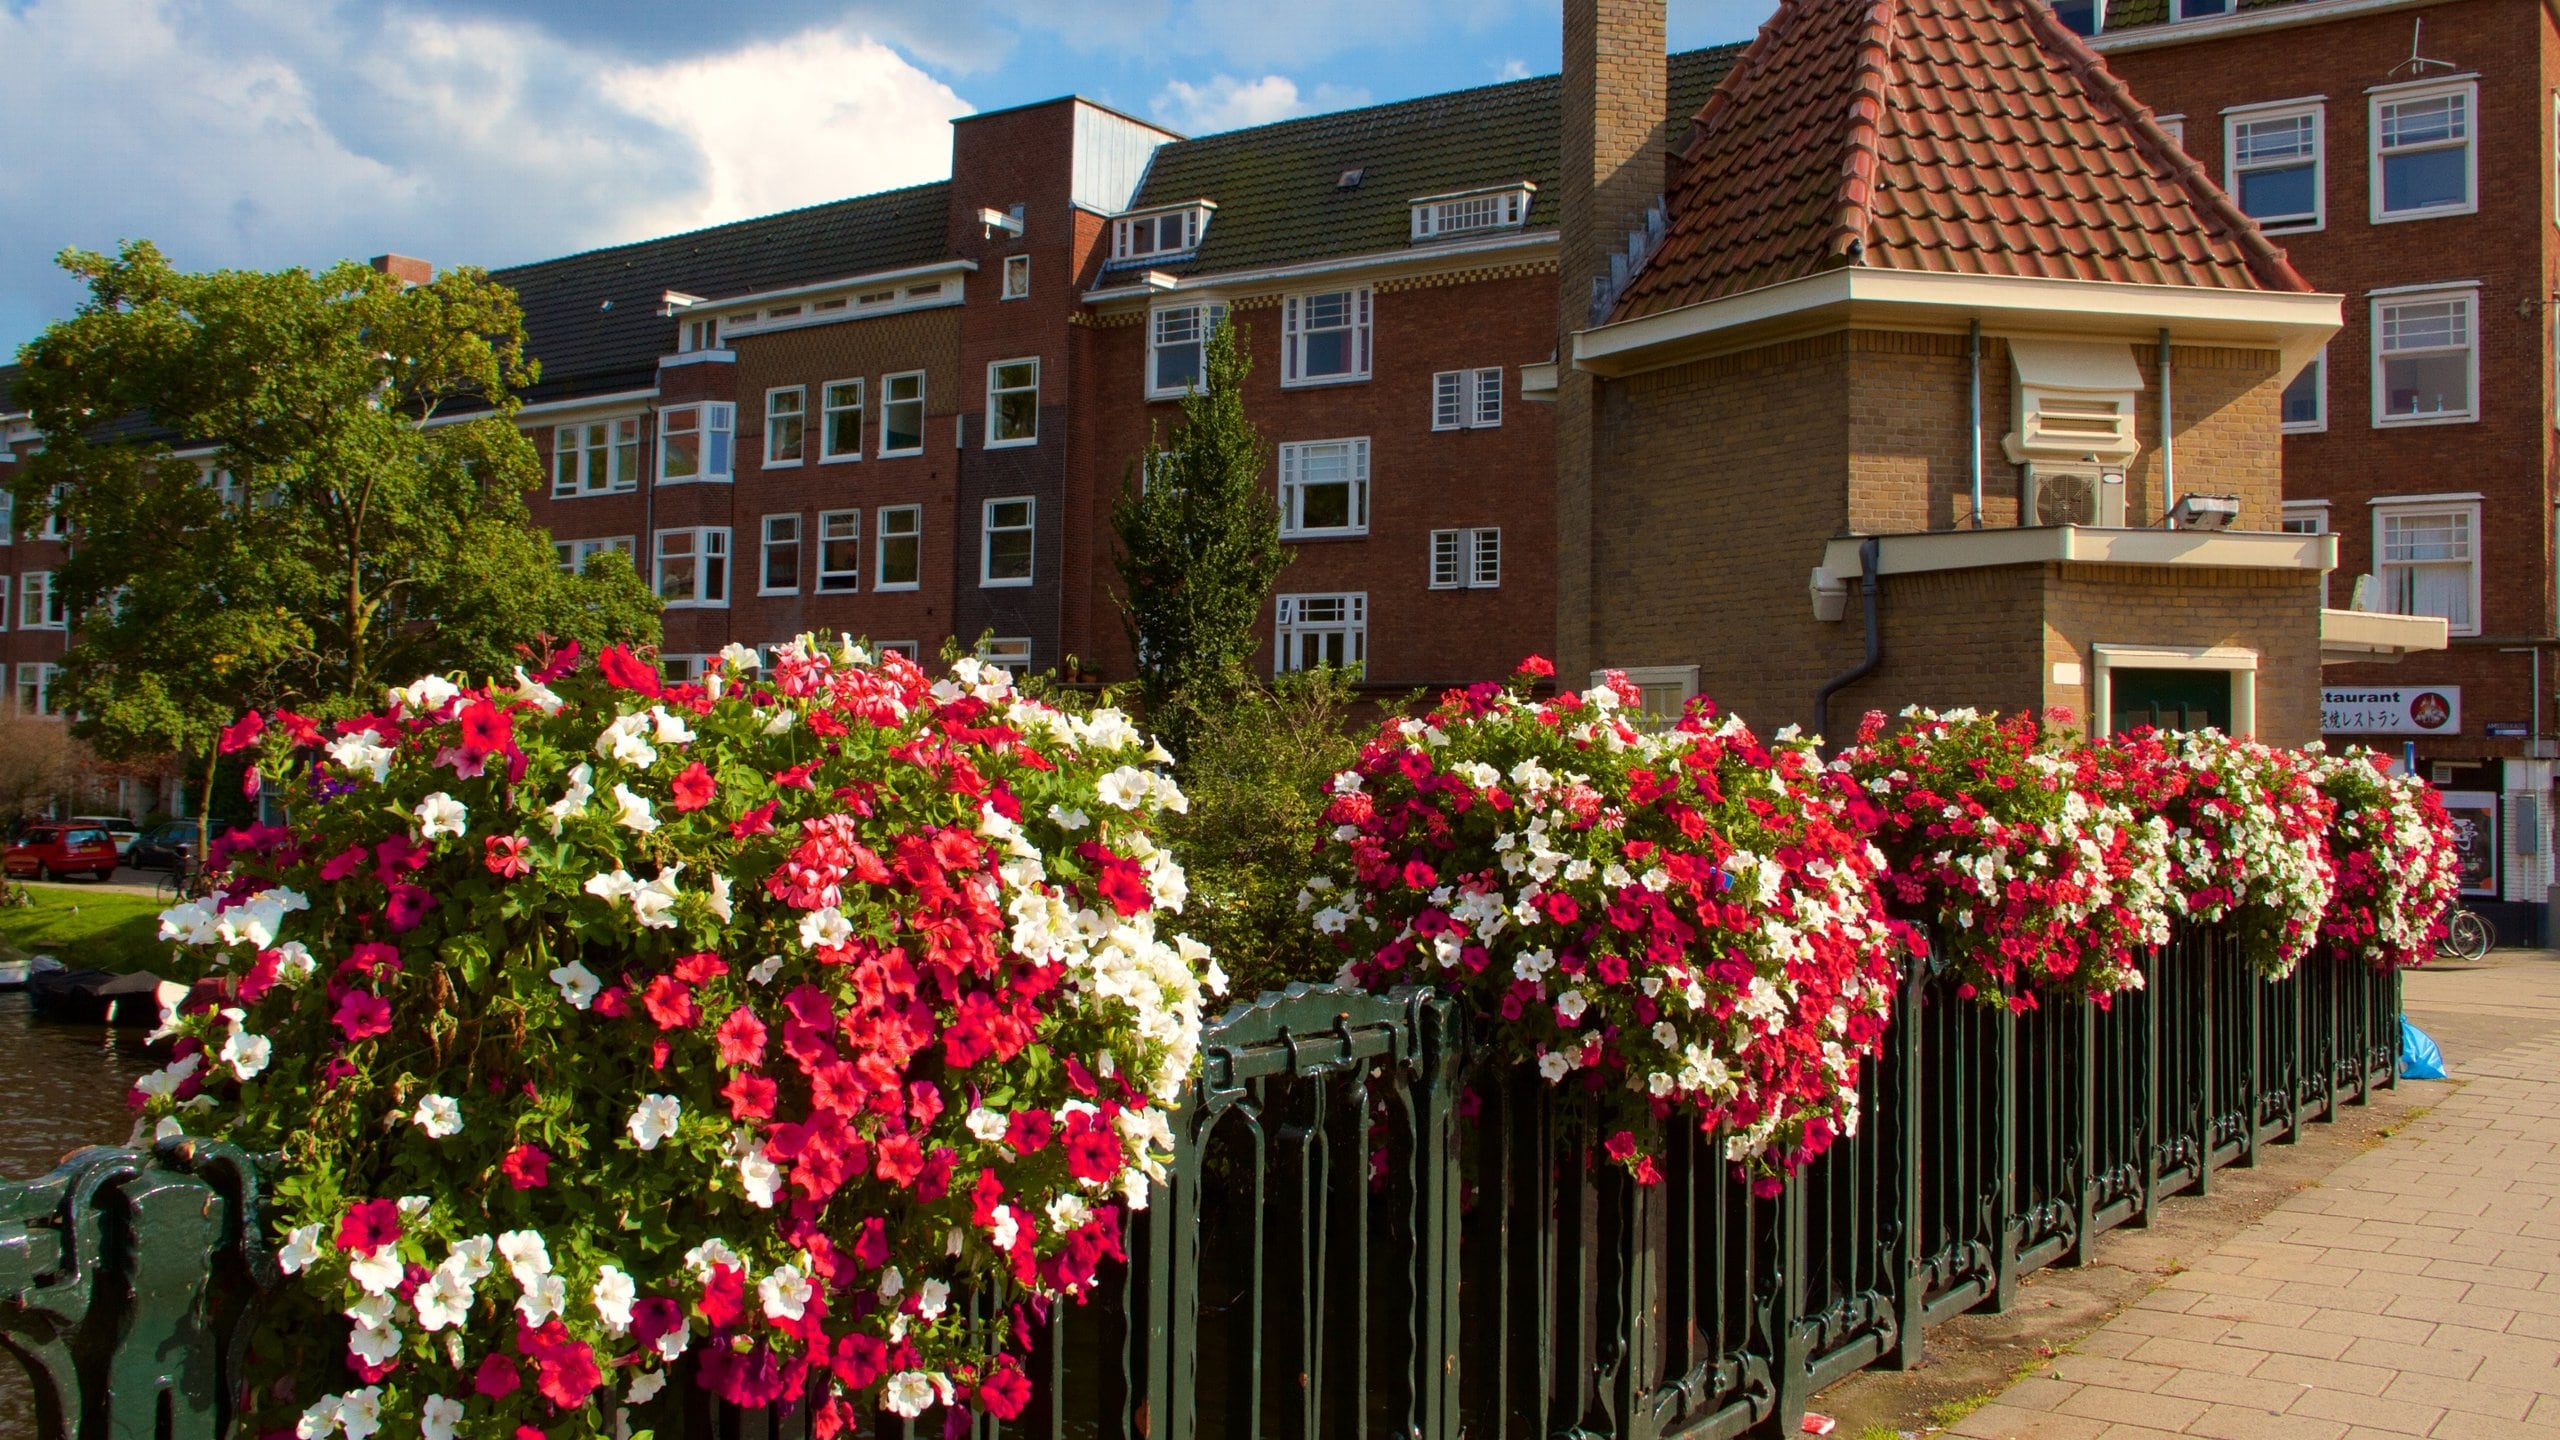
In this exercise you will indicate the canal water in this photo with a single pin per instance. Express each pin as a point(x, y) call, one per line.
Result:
point(61, 1087)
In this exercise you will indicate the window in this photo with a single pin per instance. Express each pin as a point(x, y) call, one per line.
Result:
point(574, 554)
point(2275, 169)
point(1013, 402)
point(225, 486)
point(839, 552)
point(35, 689)
point(786, 423)
point(2306, 397)
point(1325, 337)
point(2198, 9)
point(8, 516)
point(2427, 561)
point(1324, 488)
point(1166, 232)
point(1441, 216)
point(1017, 276)
point(2425, 364)
point(693, 442)
point(2173, 126)
point(682, 669)
point(2308, 517)
point(1322, 630)
point(695, 335)
point(40, 604)
point(1178, 347)
point(1466, 559)
point(2423, 160)
point(1004, 544)
point(781, 556)
point(902, 414)
point(841, 438)
point(1666, 689)
point(57, 526)
point(4, 602)
point(693, 567)
point(911, 649)
point(595, 458)
point(1012, 656)
point(1466, 399)
point(2082, 17)
point(901, 564)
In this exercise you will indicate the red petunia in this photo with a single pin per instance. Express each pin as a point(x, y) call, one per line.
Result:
point(368, 1226)
point(750, 1096)
point(564, 1368)
point(506, 856)
point(407, 906)
point(345, 863)
point(363, 1015)
point(694, 788)
point(758, 821)
point(626, 671)
point(669, 1002)
point(1538, 667)
point(242, 733)
point(700, 967)
point(1005, 1390)
point(742, 1039)
point(496, 1377)
point(723, 1296)
point(1419, 875)
point(654, 1316)
point(526, 1167)
point(486, 730)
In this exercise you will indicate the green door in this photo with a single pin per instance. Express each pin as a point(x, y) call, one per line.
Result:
point(2169, 699)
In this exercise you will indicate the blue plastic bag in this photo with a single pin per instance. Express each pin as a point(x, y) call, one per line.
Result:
point(2419, 1057)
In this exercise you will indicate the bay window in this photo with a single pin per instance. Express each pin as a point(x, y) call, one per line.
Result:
point(693, 567)
point(693, 442)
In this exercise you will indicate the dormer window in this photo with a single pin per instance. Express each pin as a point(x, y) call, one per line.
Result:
point(1470, 212)
point(1152, 233)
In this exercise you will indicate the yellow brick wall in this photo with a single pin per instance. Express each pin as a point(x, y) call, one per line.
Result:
point(2229, 411)
point(2275, 614)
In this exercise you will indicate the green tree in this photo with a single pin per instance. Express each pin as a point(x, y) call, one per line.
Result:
point(1198, 545)
point(351, 512)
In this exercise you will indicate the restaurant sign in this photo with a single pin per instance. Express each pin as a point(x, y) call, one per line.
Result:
point(2408, 710)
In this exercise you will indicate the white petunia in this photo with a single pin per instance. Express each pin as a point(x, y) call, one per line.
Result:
point(613, 1294)
point(988, 1125)
point(655, 1119)
point(426, 695)
point(439, 1116)
point(438, 1417)
point(380, 1272)
point(714, 1251)
point(363, 753)
point(1002, 1228)
point(301, 1248)
point(578, 984)
point(761, 1178)
point(318, 1420)
point(654, 904)
point(441, 814)
point(294, 963)
point(576, 798)
point(671, 729)
point(721, 903)
point(543, 1299)
point(632, 811)
point(1553, 1066)
point(765, 969)
point(541, 696)
point(822, 928)
point(373, 1344)
point(1126, 788)
point(360, 1412)
point(1068, 1214)
point(785, 1293)
point(646, 1385)
point(245, 1053)
point(623, 743)
point(443, 1299)
point(908, 1394)
point(1069, 818)
point(528, 1257)
point(932, 1298)
point(740, 657)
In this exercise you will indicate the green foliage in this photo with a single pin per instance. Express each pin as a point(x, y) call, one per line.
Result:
point(1198, 546)
point(1259, 774)
point(375, 529)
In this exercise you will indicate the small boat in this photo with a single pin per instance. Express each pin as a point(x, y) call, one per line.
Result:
point(97, 997)
point(17, 970)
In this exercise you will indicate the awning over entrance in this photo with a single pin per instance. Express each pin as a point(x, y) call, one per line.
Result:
point(2366, 637)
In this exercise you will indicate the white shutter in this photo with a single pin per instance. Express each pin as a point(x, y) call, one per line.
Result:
point(1485, 567)
point(1488, 398)
point(1449, 400)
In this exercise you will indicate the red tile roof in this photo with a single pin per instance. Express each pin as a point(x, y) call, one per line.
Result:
point(1959, 136)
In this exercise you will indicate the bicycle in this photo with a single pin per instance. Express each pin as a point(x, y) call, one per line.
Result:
point(2466, 935)
point(182, 881)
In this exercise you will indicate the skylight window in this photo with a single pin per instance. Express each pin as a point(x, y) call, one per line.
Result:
point(1153, 233)
point(1471, 212)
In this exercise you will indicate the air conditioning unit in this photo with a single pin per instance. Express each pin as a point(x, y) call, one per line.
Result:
point(2070, 495)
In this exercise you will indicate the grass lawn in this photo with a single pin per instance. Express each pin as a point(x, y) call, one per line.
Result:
point(89, 929)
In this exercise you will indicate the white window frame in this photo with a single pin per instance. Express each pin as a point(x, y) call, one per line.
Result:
point(2319, 420)
point(1358, 329)
point(776, 422)
point(1017, 277)
point(889, 401)
point(1471, 212)
point(55, 527)
point(2308, 517)
point(1467, 399)
point(710, 543)
point(1291, 625)
point(8, 516)
point(2466, 505)
point(2465, 292)
point(839, 527)
point(831, 403)
point(714, 428)
point(1649, 679)
point(2241, 664)
point(988, 529)
point(1467, 559)
point(913, 650)
point(2174, 126)
point(571, 443)
point(2312, 107)
point(2178, 9)
point(39, 673)
point(773, 543)
point(1206, 316)
point(47, 612)
point(574, 554)
point(1011, 653)
point(2380, 96)
point(913, 517)
point(6, 586)
point(1125, 230)
point(997, 393)
point(1294, 487)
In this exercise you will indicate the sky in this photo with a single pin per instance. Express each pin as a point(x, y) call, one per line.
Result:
point(268, 133)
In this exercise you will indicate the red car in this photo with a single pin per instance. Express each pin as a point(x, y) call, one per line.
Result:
point(55, 850)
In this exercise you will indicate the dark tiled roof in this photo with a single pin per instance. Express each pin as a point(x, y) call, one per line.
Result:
point(585, 346)
point(8, 386)
point(1965, 136)
point(1277, 189)
point(2130, 14)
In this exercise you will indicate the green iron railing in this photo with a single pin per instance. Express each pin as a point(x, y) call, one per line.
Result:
point(1372, 1230)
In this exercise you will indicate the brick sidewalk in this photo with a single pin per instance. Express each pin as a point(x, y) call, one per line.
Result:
point(2414, 1292)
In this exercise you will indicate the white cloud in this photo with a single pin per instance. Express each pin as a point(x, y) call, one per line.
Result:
point(1514, 70)
point(1225, 103)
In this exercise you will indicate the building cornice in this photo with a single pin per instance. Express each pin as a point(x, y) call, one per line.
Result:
point(1861, 296)
point(2242, 22)
point(1404, 259)
point(2082, 545)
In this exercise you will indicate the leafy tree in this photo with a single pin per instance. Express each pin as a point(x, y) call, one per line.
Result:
point(359, 520)
point(1198, 547)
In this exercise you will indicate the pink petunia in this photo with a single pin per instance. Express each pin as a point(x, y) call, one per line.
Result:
point(362, 1015)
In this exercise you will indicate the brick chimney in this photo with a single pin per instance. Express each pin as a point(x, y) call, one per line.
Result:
point(407, 269)
point(1615, 164)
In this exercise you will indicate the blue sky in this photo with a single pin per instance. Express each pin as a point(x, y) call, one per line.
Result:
point(266, 133)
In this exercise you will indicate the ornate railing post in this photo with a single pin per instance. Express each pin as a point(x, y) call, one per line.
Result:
point(1911, 1292)
point(1438, 1182)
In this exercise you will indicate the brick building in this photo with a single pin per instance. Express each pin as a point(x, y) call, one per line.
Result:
point(2403, 155)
